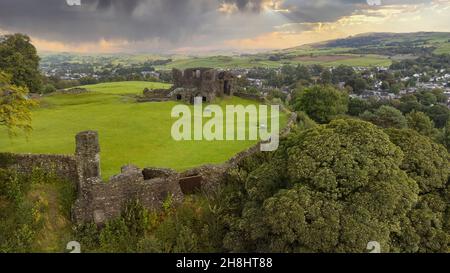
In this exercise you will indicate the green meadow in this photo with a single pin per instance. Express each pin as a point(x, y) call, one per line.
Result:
point(130, 132)
point(125, 88)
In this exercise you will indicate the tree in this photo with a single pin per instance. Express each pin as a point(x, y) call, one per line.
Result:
point(18, 57)
point(288, 73)
point(357, 84)
point(395, 88)
point(447, 135)
point(427, 98)
point(357, 106)
point(421, 123)
point(386, 117)
point(304, 122)
point(322, 103)
point(426, 228)
point(332, 188)
point(303, 73)
point(440, 95)
point(48, 88)
point(326, 77)
point(409, 103)
point(15, 105)
point(343, 73)
point(440, 114)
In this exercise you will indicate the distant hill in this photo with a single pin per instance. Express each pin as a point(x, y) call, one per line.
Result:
point(369, 49)
point(391, 43)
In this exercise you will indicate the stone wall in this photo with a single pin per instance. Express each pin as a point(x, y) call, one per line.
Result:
point(63, 166)
point(101, 201)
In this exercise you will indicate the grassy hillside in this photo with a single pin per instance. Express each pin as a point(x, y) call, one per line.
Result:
point(129, 132)
point(370, 49)
point(124, 88)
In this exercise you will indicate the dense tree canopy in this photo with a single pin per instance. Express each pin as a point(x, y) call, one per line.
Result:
point(421, 123)
point(386, 117)
point(18, 57)
point(427, 227)
point(322, 103)
point(440, 114)
point(335, 187)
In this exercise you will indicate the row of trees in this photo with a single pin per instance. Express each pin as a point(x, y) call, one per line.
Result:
point(423, 111)
point(355, 82)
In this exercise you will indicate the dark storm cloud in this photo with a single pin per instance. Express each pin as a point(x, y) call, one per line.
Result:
point(177, 22)
point(94, 19)
point(123, 6)
point(330, 11)
point(248, 5)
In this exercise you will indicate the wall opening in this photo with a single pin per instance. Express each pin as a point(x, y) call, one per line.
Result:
point(179, 97)
point(227, 88)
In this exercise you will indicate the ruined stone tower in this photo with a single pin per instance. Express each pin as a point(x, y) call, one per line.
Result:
point(88, 156)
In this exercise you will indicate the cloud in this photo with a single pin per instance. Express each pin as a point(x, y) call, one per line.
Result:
point(251, 5)
point(167, 24)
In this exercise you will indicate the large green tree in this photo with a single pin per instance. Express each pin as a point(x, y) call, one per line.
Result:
point(18, 57)
point(332, 188)
point(421, 123)
point(426, 227)
point(322, 103)
point(386, 117)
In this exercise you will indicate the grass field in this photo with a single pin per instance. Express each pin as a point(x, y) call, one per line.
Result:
point(125, 88)
point(129, 132)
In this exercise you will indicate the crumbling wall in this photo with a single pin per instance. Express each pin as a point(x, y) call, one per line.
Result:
point(63, 166)
point(102, 201)
point(202, 82)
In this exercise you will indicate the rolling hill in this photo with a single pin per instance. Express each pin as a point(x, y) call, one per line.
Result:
point(369, 49)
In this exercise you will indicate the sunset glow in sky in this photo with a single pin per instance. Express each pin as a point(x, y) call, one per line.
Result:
point(186, 26)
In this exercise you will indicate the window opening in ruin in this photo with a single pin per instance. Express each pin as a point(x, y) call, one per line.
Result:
point(227, 88)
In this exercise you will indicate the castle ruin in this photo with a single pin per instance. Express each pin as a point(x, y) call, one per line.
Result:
point(207, 83)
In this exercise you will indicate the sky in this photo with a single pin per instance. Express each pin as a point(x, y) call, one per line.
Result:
point(199, 26)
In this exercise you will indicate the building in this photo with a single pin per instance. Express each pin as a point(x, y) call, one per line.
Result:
point(207, 83)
